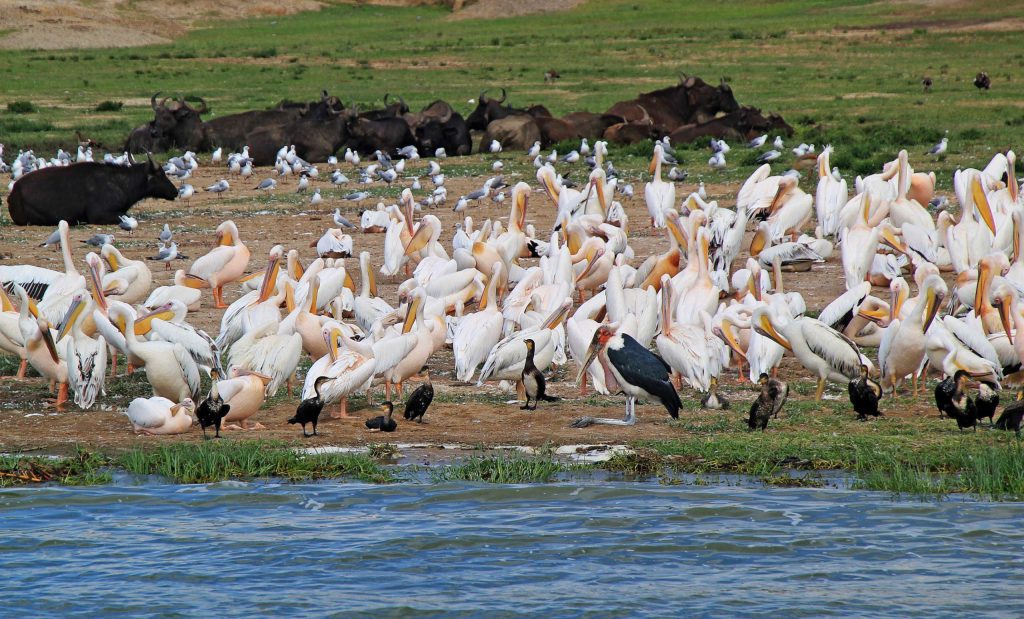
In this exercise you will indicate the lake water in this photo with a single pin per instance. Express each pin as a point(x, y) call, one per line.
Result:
point(568, 549)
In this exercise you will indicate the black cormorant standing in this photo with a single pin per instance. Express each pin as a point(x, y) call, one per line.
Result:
point(946, 391)
point(309, 409)
point(864, 395)
point(213, 409)
point(533, 380)
point(419, 400)
point(987, 401)
point(768, 403)
point(1011, 418)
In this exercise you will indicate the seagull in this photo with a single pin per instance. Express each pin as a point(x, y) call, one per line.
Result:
point(267, 184)
point(341, 221)
point(768, 156)
point(553, 157)
point(675, 174)
point(217, 154)
point(316, 198)
point(303, 183)
point(438, 179)
point(165, 235)
point(572, 157)
point(701, 192)
point(627, 190)
point(247, 170)
point(440, 153)
point(435, 168)
point(534, 150)
point(584, 147)
point(185, 191)
point(500, 198)
point(495, 146)
point(337, 178)
point(719, 146)
point(400, 166)
point(219, 187)
point(461, 204)
point(388, 176)
point(332, 160)
point(939, 149)
point(409, 152)
point(717, 161)
point(757, 142)
point(497, 166)
point(778, 143)
point(166, 255)
point(128, 224)
point(53, 240)
point(99, 240)
point(356, 196)
point(416, 184)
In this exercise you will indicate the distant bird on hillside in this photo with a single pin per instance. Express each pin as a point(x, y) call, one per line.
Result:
point(982, 81)
point(926, 82)
point(757, 142)
point(769, 156)
point(940, 149)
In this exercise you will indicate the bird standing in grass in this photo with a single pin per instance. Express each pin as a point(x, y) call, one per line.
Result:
point(533, 380)
point(768, 403)
point(986, 402)
point(712, 400)
point(419, 400)
point(948, 393)
point(864, 395)
point(309, 409)
point(1011, 418)
point(381, 422)
point(213, 409)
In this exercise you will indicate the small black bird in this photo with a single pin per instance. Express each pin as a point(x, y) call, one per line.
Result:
point(945, 391)
point(864, 395)
point(960, 406)
point(773, 395)
point(419, 400)
point(308, 410)
point(927, 83)
point(213, 409)
point(982, 81)
point(382, 423)
point(1011, 418)
point(533, 380)
point(986, 402)
point(712, 400)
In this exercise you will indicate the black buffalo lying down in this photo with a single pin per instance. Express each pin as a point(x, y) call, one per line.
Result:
point(85, 193)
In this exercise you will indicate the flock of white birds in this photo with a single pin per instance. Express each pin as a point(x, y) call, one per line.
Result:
point(475, 293)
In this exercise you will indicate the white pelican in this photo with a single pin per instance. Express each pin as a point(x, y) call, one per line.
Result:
point(11, 341)
point(40, 348)
point(659, 194)
point(427, 341)
point(859, 244)
point(902, 347)
point(86, 357)
point(349, 370)
point(198, 343)
point(223, 264)
point(134, 273)
point(51, 289)
point(477, 333)
point(690, 349)
point(245, 391)
point(259, 306)
point(368, 307)
point(158, 415)
point(831, 195)
point(268, 349)
point(169, 368)
point(820, 349)
point(506, 359)
point(790, 209)
point(186, 288)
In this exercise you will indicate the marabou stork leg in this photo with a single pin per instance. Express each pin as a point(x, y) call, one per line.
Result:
point(628, 420)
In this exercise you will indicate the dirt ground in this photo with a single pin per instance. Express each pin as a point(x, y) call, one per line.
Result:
point(280, 218)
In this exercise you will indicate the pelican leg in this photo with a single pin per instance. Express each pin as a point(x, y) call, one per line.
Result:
point(62, 396)
point(820, 391)
point(218, 298)
point(583, 385)
point(913, 382)
point(22, 368)
point(288, 384)
point(342, 410)
point(387, 389)
point(113, 363)
point(521, 391)
point(131, 368)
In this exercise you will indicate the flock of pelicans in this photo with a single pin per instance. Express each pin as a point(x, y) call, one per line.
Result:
point(630, 326)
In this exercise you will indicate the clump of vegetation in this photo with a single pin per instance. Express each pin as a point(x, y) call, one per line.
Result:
point(21, 107)
point(109, 106)
point(638, 463)
point(266, 52)
point(84, 468)
point(503, 469)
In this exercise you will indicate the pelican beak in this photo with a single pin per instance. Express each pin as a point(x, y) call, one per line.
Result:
point(250, 276)
point(97, 285)
point(1005, 307)
point(758, 242)
point(823, 170)
point(672, 223)
point(890, 238)
point(595, 347)
point(289, 298)
point(520, 207)
point(932, 302)
point(224, 238)
point(754, 286)
point(77, 306)
point(1016, 238)
point(349, 283)
point(111, 259)
point(592, 257)
point(6, 304)
point(767, 329)
point(44, 330)
point(981, 287)
point(270, 278)
point(418, 240)
point(410, 314)
point(654, 164)
point(981, 202)
point(194, 282)
point(777, 200)
point(725, 333)
point(866, 200)
point(144, 323)
point(599, 187)
point(876, 316)
point(558, 317)
point(547, 179)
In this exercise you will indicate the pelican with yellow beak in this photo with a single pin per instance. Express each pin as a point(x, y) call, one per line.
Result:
point(134, 273)
point(186, 288)
point(901, 351)
point(822, 350)
point(11, 341)
point(51, 289)
point(831, 195)
point(224, 264)
point(244, 391)
point(40, 348)
point(859, 244)
point(158, 416)
point(660, 195)
point(477, 333)
point(790, 209)
point(260, 306)
point(170, 369)
point(349, 372)
point(86, 356)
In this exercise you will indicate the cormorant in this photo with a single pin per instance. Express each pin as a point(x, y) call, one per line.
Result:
point(864, 395)
point(533, 380)
point(308, 410)
point(419, 400)
point(986, 401)
point(1011, 418)
point(954, 401)
point(213, 409)
point(382, 423)
point(768, 402)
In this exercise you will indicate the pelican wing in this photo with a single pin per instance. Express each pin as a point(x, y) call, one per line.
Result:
point(832, 346)
point(189, 370)
point(149, 412)
point(885, 345)
point(212, 262)
point(838, 313)
point(391, 351)
point(199, 345)
point(968, 332)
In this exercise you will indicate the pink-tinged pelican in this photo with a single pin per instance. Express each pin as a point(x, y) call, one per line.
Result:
point(157, 415)
point(86, 356)
point(902, 348)
point(660, 195)
point(477, 333)
point(244, 392)
point(40, 347)
point(349, 371)
point(831, 195)
point(223, 264)
point(170, 369)
point(51, 289)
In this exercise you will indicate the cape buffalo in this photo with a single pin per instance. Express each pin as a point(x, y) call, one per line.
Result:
point(691, 101)
point(179, 125)
point(89, 193)
point(517, 132)
point(385, 135)
point(488, 109)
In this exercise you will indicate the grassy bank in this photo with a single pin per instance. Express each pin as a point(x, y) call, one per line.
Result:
point(845, 72)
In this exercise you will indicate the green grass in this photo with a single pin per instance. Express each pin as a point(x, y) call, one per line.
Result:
point(83, 468)
point(841, 71)
point(501, 469)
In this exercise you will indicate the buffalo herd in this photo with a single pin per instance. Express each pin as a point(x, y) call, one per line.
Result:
point(687, 111)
